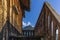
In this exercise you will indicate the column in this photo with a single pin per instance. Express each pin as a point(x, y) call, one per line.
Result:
point(8, 19)
point(54, 29)
point(11, 11)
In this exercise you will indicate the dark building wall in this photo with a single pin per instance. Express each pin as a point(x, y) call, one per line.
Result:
point(8, 31)
point(43, 27)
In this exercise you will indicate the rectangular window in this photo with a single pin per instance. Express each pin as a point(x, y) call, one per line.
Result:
point(48, 22)
point(52, 28)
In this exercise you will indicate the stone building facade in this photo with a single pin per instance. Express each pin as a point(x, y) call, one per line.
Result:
point(48, 23)
point(11, 14)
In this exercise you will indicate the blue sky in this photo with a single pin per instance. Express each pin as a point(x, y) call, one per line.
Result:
point(35, 9)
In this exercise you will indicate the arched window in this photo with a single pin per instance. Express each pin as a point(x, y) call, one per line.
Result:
point(57, 34)
point(48, 22)
point(52, 28)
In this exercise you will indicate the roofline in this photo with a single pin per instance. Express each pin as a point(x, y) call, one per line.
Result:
point(48, 5)
point(39, 15)
point(53, 11)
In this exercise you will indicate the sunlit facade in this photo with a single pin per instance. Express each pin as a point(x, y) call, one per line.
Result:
point(11, 14)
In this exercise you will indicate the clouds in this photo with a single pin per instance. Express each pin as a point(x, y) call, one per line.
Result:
point(26, 24)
